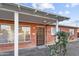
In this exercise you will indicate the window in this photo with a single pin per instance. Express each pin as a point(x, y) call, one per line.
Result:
point(24, 34)
point(6, 34)
point(71, 31)
point(53, 31)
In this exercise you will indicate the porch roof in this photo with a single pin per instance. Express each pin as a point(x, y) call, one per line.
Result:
point(27, 14)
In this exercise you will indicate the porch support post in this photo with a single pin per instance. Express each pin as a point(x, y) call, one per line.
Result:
point(56, 30)
point(56, 25)
point(16, 22)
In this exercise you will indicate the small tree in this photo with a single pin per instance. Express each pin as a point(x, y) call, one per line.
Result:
point(59, 48)
point(62, 41)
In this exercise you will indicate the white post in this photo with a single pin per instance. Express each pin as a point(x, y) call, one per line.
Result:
point(56, 29)
point(56, 25)
point(16, 19)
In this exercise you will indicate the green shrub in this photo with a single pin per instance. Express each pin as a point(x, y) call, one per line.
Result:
point(59, 48)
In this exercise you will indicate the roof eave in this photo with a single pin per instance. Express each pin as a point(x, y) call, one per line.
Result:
point(40, 13)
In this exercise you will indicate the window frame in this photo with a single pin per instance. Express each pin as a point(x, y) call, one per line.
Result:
point(70, 31)
point(13, 31)
point(24, 40)
point(53, 28)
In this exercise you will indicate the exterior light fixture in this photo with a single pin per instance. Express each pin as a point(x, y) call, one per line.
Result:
point(44, 21)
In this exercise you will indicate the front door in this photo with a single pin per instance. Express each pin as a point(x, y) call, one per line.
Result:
point(78, 35)
point(40, 36)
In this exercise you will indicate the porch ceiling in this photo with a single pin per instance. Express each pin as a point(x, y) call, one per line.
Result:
point(5, 15)
point(28, 14)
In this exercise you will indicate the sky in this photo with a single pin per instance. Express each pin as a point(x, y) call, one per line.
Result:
point(65, 9)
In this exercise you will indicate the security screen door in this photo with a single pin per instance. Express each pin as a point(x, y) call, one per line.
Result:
point(40, 36)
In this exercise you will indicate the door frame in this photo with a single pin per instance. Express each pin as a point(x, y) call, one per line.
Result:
point(44, 34)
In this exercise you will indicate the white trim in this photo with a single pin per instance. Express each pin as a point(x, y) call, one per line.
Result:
point(44, 33)
point(13, 42)
point(24, 40)
point(37, 16)
point(52, 31)
point(27, 14)
point(16, 25)
point(7, 10)
point(7, 43)
point(56, 31)
point(30, 31)
point(56, 25)
point(72, 31)
point(7, 39)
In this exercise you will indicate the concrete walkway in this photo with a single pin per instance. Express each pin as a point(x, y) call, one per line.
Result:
point(72, 50)
point(38, 51)
point(10, 53)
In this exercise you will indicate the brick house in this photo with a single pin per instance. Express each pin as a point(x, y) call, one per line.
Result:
point(78, 33)
point(35, 27)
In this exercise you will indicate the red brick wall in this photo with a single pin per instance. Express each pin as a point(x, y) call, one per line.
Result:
point(6, 47)
point(29, 44)
point(32, 43)
point(33, 38)
point(78, 33)
point(50, 38)
point(66, 29)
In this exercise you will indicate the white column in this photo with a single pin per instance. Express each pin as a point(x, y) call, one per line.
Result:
point(56, 30)
point(16, 19)
point(56, 25)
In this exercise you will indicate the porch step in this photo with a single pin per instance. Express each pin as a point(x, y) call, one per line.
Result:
point(41, 46)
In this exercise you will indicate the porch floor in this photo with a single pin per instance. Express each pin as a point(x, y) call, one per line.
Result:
point(73, 50)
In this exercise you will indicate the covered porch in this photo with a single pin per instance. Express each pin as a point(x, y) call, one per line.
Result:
point(16, 15)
